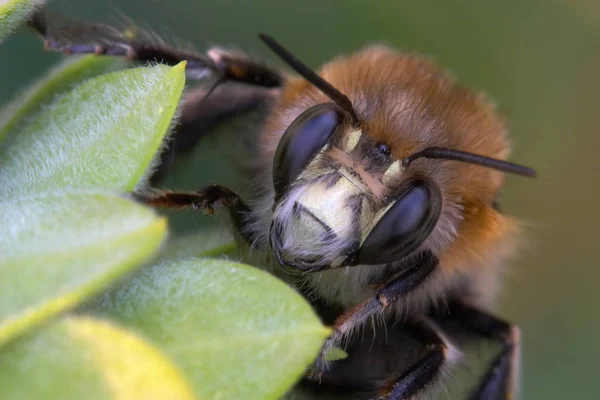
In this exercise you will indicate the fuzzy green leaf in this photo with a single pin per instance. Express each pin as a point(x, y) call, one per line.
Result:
point(207, 243)
point(83, 358)
point(335, 353)
point(64, 76)
point(235, 331)
point(57, 249)
point(104, 133)
point(13, 13)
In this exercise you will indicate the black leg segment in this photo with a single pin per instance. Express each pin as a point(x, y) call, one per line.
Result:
point(393, 362)
point(205, 200)
point(396, 287)
point(135, 44)
point(418, 377)
point(201, 115)
point(501, 378)
point(424, 372)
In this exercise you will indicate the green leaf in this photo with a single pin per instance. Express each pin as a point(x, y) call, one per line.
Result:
point(235, 331)
point(71, 71)
point(208, 243)
point(335, 353)
point(57, 249)
point(104, 133)
point(83, 358)
point(13, 13)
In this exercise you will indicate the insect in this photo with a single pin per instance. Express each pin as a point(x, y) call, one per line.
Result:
point(375, 191)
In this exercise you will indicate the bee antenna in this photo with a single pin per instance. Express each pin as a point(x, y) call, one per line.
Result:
point(457, 155)
point(338, 97)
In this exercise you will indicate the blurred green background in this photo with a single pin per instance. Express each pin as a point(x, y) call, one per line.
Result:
point(539, 59)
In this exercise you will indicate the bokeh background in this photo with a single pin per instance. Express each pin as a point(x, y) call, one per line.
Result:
point(539, 59)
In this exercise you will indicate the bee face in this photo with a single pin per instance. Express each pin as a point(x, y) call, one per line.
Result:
point(333, 203)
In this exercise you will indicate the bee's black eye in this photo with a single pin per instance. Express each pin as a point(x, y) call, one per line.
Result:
point(404, 227)
point(302, 140)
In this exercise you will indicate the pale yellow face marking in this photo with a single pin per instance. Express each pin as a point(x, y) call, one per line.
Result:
point(329, 206)
point(393, 171)
point(353, 139)
point(368, 225)
point(366, 215)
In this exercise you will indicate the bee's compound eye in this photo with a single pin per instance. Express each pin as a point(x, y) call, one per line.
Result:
point(404, 226)
point(302, 140)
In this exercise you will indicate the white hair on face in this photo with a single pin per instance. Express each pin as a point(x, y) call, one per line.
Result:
point(306, 238)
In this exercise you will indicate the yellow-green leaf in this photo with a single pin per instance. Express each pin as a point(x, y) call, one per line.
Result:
point(235, 331)
point(102, 134)
point(335, 353)
point(57, 249)
point(13, 13)
point(71, 71)
point(84, 358)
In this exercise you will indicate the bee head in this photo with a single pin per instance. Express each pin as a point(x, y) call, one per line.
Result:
point(332, 204)
point(341, 198)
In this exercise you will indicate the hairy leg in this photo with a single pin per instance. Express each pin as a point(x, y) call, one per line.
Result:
point(399, 285)
point(390, 361)
point(135, 44)
point(205, 200)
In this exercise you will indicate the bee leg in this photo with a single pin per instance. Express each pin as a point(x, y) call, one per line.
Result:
point(205, 200)
point(201, 115)
point(132, 43)
point(425, 371)
point(500, 381)
point(398, 286)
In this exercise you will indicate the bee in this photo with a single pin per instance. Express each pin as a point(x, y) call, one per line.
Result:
point(374, 190)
